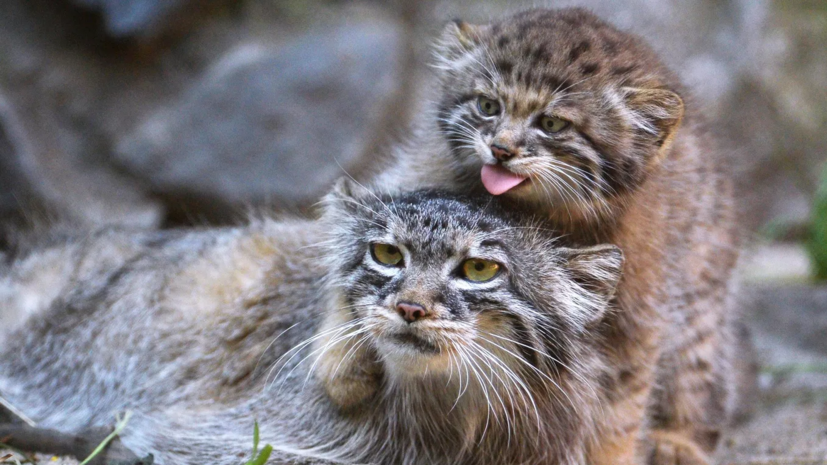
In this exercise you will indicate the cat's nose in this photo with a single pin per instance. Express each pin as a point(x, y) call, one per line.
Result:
point(501, 153)
point(410, 312)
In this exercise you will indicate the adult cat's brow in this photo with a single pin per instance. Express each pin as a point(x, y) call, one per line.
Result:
point(492, 243)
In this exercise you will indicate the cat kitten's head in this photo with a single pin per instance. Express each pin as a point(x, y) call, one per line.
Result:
point(555, 107)
point(436, 281)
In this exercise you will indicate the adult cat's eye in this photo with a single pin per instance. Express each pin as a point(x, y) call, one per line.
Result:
point(386, 254)
point(488, 106)
point(478, 270)
point(553, 124)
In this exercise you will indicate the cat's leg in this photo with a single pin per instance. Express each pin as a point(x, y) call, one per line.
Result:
point(633, 345)
point(696, 382)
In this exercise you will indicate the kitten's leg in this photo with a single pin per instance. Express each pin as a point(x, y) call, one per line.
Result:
point(634, 349)
point(347, 366)
point(694, 400)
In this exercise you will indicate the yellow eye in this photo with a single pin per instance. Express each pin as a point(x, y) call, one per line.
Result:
point(478, 270)
point(552, 124)
point(488, 107)
point(386, 254)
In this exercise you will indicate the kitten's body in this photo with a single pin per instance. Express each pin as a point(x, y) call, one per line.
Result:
point(632, 169)
point(186, 329)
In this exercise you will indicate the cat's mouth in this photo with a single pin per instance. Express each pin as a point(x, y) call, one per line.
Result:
point(411, 340)
point(498, 180)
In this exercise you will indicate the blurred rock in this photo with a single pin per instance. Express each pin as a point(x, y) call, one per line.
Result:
point(134, 17)
point(38, 179)
point(756, 66)
point(775, 263)
point(798, 314)
point(268, 124)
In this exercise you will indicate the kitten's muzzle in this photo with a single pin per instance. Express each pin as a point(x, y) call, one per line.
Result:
point(411, 312)
point(502, 153)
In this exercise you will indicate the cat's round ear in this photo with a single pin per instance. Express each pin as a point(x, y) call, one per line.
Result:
point(458, 37)
point(657, 113)
point(344, 196)
point(597, 271)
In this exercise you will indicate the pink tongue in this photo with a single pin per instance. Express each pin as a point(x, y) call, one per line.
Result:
point(498, 180)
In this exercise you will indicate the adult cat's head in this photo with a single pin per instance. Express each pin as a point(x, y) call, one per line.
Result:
point(440, 282)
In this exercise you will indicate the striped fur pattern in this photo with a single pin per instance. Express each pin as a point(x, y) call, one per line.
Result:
point(201, 332)
point(631, 164)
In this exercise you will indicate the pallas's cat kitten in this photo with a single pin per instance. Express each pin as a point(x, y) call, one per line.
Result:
point(484, 332)
point(558, 111)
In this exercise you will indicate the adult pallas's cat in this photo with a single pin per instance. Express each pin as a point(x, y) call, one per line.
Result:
point(559, 111)
point(484, 330)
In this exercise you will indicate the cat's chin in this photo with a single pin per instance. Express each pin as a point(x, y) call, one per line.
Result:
point(406, 355)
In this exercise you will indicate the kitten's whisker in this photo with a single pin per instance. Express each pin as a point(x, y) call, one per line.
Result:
point(557, 187)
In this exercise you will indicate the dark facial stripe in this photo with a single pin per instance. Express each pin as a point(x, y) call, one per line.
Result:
point(523, 336)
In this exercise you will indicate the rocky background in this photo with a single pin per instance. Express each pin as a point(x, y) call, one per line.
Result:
point(165, 113)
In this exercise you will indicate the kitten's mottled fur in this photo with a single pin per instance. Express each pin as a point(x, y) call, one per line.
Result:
point(613, 152)
point(202, 332)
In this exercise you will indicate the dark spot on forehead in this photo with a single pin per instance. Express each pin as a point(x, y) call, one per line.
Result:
point(563, 85)
point(579, 50)
point(623, 69)
point(505, 66)
point(589, 68)
point(503, 41)
point(538, 55)
point(610, 46)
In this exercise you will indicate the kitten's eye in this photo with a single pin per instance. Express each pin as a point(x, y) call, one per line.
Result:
point(552, 125)
point(488, 107)
point(478, 270)
point(386, 254)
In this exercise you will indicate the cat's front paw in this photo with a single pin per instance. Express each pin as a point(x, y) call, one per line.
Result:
point(347, 392)
point(350, 374)
point(674, 449)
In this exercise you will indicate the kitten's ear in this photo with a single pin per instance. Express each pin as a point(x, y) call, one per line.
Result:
point(658, 113)
point(458, 37)
point(597, 270)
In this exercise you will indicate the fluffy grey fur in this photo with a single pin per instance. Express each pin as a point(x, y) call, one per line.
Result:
point(199, 333)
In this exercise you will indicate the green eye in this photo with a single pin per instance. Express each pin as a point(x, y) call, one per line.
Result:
point(488, 107)
point(386, 254)
point(478, 270)
point(552, 124)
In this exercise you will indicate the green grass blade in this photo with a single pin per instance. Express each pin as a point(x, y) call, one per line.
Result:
point(255, 438)
point(118, 428)
point(818, 234)
point(262, 457)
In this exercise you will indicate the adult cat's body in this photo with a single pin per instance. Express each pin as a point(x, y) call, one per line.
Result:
point(484, 331)
point(561, 112)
